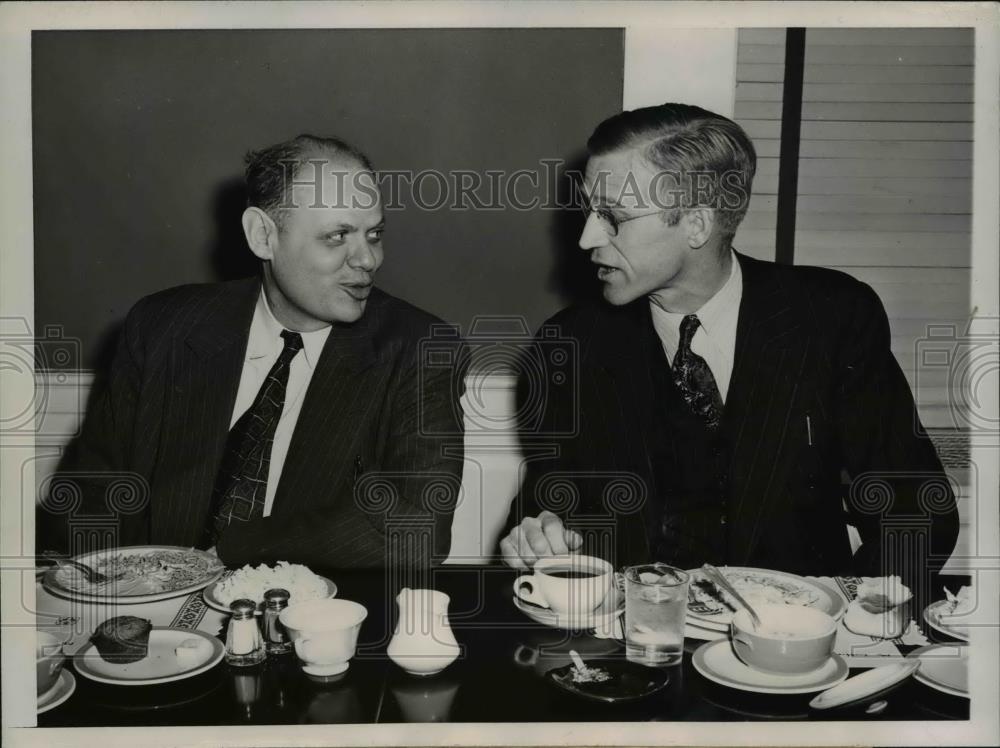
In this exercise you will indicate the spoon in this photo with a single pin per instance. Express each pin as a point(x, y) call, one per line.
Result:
point(718, 577)
point(92, 575)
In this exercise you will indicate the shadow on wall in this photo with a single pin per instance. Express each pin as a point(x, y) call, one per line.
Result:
point(228, 252)
point(572, 276)
point(227, 255)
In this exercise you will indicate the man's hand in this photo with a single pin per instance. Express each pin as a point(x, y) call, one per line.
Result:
point(537, 537)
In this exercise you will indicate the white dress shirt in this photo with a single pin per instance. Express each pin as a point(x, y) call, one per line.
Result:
point(263, 348)
point(715, 338)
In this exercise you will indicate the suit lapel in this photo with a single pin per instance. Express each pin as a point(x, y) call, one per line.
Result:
point(770, 350)
point(206, 370)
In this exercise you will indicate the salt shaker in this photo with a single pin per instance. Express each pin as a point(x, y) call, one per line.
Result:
point(244, 644)
point(276, 639)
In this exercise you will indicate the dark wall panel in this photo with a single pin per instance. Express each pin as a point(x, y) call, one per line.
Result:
point(139, 138)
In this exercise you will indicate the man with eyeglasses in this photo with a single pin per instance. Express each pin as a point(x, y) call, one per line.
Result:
point(722, 401)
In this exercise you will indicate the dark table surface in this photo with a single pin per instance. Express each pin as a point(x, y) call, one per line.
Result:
point(497, 678)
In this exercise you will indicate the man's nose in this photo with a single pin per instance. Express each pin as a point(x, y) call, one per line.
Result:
point(593, 235)
point(363, 257)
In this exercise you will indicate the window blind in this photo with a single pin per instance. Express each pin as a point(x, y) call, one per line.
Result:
point(884, 188)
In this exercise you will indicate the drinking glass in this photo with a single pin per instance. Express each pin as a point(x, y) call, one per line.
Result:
point(655, 608)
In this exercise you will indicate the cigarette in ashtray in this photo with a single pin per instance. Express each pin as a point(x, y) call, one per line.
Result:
point(584, 674)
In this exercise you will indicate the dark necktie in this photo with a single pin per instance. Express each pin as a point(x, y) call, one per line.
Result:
point(694, 379)
point(241, 485)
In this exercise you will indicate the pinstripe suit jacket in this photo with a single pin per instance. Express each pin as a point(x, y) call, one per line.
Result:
point(811, 344)
point(366, 466)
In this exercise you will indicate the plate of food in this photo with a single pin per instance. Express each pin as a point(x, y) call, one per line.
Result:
point(711, 607)
point(251, 583)
point(136, 574)
point(130, 651)
point(947, 616)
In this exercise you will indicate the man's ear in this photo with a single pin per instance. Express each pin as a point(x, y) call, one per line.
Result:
point(261, 233)
point(699, 224)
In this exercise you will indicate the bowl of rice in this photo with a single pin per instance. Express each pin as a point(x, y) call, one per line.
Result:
point(251, 582)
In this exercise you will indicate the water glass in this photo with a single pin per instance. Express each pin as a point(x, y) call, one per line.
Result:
point(655, 608)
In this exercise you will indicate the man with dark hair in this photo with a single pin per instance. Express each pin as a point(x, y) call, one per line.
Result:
point(735, 394)
point(286, 417)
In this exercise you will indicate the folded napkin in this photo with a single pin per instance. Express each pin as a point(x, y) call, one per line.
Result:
point(880, 608)
point(74, 621)
point(862, 650)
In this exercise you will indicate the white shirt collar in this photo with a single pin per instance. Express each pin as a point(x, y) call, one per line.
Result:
point(718, 311)
point(718, 315)
point(265, 335)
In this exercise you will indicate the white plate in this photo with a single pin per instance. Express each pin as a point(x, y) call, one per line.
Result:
point(717, 662)
point(932, 616)
point(943, 667)
point(50, 580)
point(61, 690)
point(864, 685)
point(827, 599)
point(213, 601)
point(160, 665)
point(603, 617)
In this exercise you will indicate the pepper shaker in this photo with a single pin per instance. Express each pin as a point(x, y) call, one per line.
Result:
point(276, 638)
point(244, 644)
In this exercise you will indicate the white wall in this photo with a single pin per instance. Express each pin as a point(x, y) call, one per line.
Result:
point(691, 66)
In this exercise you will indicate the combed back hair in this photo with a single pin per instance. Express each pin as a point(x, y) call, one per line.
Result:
point(712, 155)
point(270, 171)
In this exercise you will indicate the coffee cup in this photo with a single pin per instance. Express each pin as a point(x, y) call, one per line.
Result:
point(791, 639)
point(49, 659)
point(324, 633)
point(567, 585)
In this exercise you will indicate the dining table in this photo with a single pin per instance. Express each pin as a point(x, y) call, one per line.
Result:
point(498, 677)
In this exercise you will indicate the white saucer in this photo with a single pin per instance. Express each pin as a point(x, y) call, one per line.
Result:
point(717, 662)
point(932, 616)
point(943, 667)
point(603, 617)
point(61, 690)
point(160, 665)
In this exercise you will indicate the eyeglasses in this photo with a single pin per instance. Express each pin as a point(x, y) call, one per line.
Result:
point(610, 223)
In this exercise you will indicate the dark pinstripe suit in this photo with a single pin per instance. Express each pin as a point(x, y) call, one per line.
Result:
point(166, 410)
point(810, 343)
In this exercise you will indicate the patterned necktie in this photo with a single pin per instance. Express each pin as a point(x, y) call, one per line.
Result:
point(242, 481)
point(694, 379)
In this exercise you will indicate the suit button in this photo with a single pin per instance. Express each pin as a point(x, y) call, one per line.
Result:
point(722, 520)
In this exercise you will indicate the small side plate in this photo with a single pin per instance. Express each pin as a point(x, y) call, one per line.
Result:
point(160, 665)
point(61, 690)
point(932, 617)
point(627, 681)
